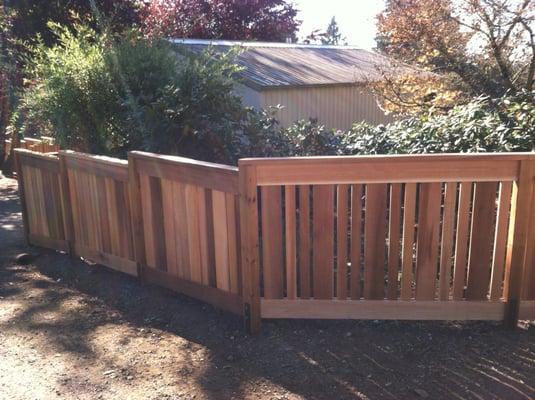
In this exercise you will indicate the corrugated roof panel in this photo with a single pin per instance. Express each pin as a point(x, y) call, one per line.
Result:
point(276, 64)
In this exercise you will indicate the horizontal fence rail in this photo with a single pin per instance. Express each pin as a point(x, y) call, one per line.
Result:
point(383, 237)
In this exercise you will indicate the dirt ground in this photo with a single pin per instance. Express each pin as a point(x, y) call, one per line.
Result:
point(72, 331)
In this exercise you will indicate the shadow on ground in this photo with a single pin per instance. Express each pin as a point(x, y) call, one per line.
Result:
point(290, 359)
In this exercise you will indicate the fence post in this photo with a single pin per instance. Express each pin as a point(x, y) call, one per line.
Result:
point(20, 180)
point(67, 206)
point(521, 221)
point(136, 215)
point(249, 247)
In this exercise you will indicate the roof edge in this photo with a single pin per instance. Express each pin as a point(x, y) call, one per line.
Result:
point(245, 43)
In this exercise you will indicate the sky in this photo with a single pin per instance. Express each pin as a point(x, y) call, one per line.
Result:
point(356, 18)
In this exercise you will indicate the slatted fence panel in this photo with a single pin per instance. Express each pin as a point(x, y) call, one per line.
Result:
point(426, 235)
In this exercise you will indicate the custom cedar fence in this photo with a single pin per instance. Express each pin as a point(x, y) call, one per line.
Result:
point(383, 237)
point(44, 144)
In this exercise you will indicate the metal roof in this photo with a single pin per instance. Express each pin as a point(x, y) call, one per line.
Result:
point(282, 65)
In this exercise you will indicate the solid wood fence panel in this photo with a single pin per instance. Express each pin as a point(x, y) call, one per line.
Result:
point(98, 196)
point(189, 221)
point(407, 261)
point(40, 189)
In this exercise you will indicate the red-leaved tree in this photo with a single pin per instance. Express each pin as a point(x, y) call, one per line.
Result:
point(268, 20)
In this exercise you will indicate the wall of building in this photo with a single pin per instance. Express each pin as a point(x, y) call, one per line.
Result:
point(334, 106)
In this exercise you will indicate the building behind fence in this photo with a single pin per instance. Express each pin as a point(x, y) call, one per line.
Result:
point(423, 237)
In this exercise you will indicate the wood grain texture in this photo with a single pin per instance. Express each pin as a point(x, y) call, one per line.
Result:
point(323, 241)
point(356, 241)
point(428, 239)
point(272, 256)
point(394, 223)
point(385, 309)
point(461, 240)
point(342, 238)
point(290, 241)
point(375, 241)
point(304, 242)
point(481, 240)
point(500, 240)
point(446, 246)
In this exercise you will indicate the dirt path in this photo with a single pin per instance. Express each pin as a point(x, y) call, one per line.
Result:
point(72, 331)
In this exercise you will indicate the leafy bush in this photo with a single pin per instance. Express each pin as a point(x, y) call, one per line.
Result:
point(104, 95)
point(506, 124)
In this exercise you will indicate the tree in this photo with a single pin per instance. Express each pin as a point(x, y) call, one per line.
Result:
point(472, 47)
point(332, 35)
point(268, 20)
point(31, 16)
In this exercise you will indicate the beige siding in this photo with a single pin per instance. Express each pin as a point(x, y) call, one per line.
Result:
point(334, 106)
point(249, 96)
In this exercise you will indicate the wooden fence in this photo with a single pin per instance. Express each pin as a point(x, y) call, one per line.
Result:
point(397, 237)
point(44, 144)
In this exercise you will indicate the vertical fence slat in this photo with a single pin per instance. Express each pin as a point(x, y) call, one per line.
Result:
point(304, 241)
point(169, 227)
point(356, 240)
point(394, 221)
point(221, 240)
point(205, 236)
point(104, 216)
point(342, 217)
point(136, 214)
point(181, 230)
point(232, 241)
point(291, 242)
point(323, 240)
point(428, 239)
point(194, 246)
point(446, 247)
point(461, 240)
point(115, 231)
point(481, 241)
point(500, 240)
point(250, 248)
point(22, 194)
point(521, 233)
point(375, 241)
point(272, 262)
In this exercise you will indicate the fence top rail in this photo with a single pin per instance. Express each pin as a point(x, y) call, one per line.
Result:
point(482, 167)
point(212, 176)
point(182, 160)
point(94, 158)
point(33, 140)
point(370, 158)
point(46, 161)
point(36, 154)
